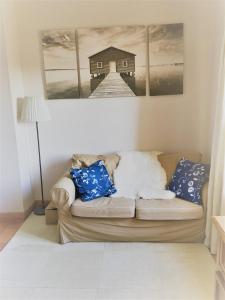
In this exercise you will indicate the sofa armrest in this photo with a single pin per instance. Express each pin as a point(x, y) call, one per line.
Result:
point(205, 196)
point(63, 194)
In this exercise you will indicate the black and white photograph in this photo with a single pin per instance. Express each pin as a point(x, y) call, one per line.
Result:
point(60, 64)
point(166, 62)
point(112, 61)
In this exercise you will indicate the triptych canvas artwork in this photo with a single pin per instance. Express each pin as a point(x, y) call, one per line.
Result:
point(113, 61)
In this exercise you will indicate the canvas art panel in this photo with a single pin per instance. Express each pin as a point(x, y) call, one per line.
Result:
point(112, 61)
point(166, 62)
point(60, 64)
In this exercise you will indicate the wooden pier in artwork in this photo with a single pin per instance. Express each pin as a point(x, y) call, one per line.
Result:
point(112, 85)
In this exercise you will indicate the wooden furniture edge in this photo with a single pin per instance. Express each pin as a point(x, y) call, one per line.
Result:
point(219, 226)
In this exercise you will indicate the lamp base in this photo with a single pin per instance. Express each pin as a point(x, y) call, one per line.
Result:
point(39, 210)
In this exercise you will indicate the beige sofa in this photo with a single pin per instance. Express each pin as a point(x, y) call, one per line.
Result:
point(121, 219)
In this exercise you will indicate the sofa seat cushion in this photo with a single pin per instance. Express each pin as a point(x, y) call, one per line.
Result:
point(173, 209)
point(104, 207)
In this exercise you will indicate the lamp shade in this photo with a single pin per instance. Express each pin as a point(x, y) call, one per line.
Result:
point(34, 110)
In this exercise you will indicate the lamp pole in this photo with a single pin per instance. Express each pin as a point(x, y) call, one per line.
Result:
point(40, 210)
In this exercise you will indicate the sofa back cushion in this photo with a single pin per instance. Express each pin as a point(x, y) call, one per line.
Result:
point(169, 161)
point(85, 160)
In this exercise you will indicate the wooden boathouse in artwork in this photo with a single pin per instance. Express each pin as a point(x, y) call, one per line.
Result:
point(112, 60)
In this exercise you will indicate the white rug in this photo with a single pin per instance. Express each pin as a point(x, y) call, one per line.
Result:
point(34, 266)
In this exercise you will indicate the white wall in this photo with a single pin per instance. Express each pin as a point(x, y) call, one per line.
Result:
point(10, 191)
point(16, 187)
point(167, 123)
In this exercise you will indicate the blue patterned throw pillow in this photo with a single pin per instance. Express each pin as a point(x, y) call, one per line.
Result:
point(188, 180)
point(92, 182)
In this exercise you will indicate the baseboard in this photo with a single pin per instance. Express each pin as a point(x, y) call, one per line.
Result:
point(17, 216)
point(20, 216)
point(29, 210)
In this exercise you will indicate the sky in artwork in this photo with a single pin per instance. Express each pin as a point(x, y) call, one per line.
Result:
point(59, 49)
point(128, 38)
point(166, 44)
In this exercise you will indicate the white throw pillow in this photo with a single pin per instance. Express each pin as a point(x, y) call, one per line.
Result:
point(140, 175)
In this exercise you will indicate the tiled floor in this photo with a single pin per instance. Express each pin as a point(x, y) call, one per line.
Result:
point(8, 228)
point(34, 266)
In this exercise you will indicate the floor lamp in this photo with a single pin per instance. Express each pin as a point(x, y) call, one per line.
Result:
point(35, 110)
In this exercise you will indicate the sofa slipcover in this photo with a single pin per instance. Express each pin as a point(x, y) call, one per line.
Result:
point(169, 161)
point(85, 160)
point(79, 229)
point(104, 207)
point(74, 228)
point(173, 209)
